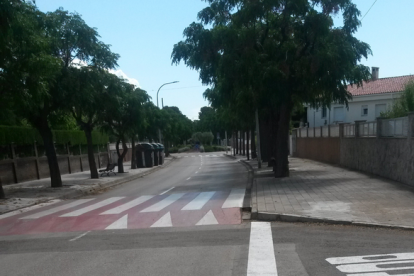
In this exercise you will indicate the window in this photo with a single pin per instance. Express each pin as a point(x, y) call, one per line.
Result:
point(364, 110)
point(323, 112)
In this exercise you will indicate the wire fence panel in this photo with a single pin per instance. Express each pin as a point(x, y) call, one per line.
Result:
point(396, 127)
point(368, 129)
point(325, 131)
point(317, 132)
point(303, 132)
point(311, 132)
point(349, 130)
point(334, 130)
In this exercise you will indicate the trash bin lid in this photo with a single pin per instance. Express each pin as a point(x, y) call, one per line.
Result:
point(155, 146)
point(160, 146)
point(146, 146)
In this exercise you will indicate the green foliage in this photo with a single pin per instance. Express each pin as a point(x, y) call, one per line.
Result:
point(205, 138)
point(175, 126)
point(213, 148)
point(403, 105)
point(27, 136)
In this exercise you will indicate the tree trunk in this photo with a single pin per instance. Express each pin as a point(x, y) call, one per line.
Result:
point(121, 156)
point(133, 154)
point(2, 194)
point(282, 146)
point(167, 150)
point(247, 145)
point(244, 142)
point(237, 142)
point(273, 128)
point(234, 143)
point(46, 133)
point(91, 156)
point(253, 143)
point(264, 139)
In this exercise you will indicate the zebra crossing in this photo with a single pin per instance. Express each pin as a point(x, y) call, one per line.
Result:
point(204, 155)
point(123, 212)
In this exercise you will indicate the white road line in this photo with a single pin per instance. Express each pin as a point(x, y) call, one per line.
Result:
point(121, 223)
point(235, 199)
point(199, 168)
point(128, 205)
point(92, 207)
point(262, 260)
point(376, 267)
point(188, 178)
point(167, 191)
point(163, 203)
point(80, 236)
point(57, 209)
point(208, 219)
point(30, 208)
point(371, 258)
point(164, 221)
point(198, 202)
point(196, 172)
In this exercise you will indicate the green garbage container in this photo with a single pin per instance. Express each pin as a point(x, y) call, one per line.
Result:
point(161, 154)
point(148, 154)
point(140, 156)
point(156, 154)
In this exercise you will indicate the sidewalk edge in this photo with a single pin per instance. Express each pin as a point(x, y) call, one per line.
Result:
point(265, 216)
point(96, 188)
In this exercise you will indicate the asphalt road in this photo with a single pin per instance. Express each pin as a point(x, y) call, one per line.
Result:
point(244, 248)
point(300, 249)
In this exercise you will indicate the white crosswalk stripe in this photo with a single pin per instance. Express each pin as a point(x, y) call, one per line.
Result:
point(198, 202)
point(128, 205)
point(163, 203)
point(121, 223)
point(57, 209)
point(208, 219)
point(92, 207)
point(164, 221)
point(235, 199)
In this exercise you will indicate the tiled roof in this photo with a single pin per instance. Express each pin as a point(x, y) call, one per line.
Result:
point(379, 86)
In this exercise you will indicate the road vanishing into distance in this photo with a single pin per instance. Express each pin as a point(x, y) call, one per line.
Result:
point(186, 219)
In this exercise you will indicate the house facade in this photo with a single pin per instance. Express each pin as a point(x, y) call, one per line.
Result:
point(368, 101)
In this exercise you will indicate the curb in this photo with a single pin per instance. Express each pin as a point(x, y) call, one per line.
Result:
point(97, 187)
point(264, 216)
point(248, 195)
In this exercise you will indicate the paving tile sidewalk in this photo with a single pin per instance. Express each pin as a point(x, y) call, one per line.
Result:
point(321, 192)
point(29, 193)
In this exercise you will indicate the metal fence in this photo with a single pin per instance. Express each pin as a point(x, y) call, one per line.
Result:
point(368, 129)
point(324, 131)
point(349, 130)
point(396, 127)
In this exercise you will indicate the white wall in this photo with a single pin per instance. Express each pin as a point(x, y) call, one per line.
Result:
point(354, 111)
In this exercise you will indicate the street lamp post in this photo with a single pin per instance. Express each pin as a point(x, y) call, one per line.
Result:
point(159, 130)
point(161, 87)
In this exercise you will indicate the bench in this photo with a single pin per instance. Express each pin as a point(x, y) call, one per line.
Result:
point(109, 169)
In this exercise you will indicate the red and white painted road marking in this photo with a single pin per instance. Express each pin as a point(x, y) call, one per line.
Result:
point(166, 210)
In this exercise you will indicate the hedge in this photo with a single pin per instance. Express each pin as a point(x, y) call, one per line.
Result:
point(25, 136)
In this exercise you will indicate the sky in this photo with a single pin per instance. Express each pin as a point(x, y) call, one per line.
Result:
point(143, 33)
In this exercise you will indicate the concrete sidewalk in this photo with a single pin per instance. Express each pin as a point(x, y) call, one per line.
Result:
point(318, 192)
point(74, 185)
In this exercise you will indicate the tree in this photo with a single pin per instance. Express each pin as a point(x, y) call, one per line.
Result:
point(123, 118)
point(175, 126)
point(86, 100)
point(276, 54)
point(403, 105)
